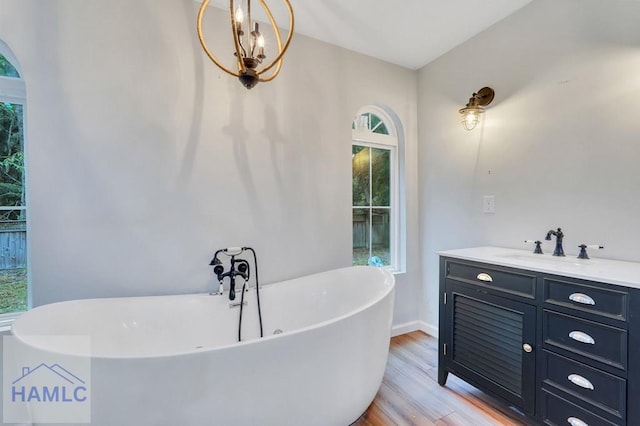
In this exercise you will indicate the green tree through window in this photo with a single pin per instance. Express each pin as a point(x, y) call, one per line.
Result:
point(11, 160)
point(7, 69)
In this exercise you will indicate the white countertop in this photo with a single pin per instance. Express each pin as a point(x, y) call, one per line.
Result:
point(602, 270)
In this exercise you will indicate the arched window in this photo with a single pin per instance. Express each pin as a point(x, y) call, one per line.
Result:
point(13, 208)
point(377, 178)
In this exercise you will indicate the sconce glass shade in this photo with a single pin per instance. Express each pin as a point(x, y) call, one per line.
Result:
point(471, 117)
point(249, 43)
point(474, 109)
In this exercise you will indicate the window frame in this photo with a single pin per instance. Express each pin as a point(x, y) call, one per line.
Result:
point(13, 91)
point(392, 143)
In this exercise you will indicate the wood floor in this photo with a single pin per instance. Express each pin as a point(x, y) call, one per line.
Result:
point(410, 394)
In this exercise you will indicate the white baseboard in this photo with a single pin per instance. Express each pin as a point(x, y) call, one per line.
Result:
point(408, 327)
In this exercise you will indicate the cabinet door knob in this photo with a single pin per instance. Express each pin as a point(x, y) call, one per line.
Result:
point(578, 380)
point(527, 348)
point(574, 421)
point(484, 277)
point(582, 337)
point(582, 298)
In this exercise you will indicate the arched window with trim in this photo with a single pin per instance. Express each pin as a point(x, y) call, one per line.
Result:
point(376, 188)
point(13, 207)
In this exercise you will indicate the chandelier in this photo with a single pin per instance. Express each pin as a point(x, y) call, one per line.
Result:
point(249, 44)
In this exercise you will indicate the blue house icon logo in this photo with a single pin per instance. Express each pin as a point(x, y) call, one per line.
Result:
point(48, 384)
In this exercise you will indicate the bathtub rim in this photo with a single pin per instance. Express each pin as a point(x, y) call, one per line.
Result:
point(389, 282)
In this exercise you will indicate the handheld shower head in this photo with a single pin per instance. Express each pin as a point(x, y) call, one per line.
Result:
point(233, 251)
point(216, 260)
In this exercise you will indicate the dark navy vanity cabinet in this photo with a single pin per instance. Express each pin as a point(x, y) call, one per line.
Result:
point(563, 350)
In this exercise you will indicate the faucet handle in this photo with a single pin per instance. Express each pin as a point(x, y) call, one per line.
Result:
point(583, 250)
point(220, 291)
point(218, 270)
point(538, 249)
point(595, 246)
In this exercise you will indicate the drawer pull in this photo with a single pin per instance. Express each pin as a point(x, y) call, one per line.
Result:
point(574, 421)
point(484, 277)
point(582, 298)
point(578, 380)
point(582, 337)
point(527, 348)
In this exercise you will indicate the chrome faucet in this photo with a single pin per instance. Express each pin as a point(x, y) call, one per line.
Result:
point(238, 267)
point(558, 251)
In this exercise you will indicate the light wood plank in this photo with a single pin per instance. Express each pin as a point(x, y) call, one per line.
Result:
point(410, 394)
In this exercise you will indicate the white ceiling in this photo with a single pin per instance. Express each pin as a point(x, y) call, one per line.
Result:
point(410, 33)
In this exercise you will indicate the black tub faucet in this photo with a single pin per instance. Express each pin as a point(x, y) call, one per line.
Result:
point(237, 267)
point(558, 251)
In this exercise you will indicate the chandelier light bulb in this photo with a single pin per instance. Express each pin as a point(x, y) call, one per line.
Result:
point(239, 15)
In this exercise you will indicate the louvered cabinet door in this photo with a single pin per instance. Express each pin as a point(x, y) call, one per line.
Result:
point(491, 343)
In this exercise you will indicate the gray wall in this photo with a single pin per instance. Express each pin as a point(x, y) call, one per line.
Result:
point(143, 157)
point(558, 146)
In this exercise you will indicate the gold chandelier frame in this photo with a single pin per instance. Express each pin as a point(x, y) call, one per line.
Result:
point(247, 68)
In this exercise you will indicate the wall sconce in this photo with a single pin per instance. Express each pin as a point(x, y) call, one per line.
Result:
point(249, 44)
point(471, 112)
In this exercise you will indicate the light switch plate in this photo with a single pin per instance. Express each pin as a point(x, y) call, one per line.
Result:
point(489, 204)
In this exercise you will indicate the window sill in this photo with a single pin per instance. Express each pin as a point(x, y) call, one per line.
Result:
point(396, 271)
point(6, 320)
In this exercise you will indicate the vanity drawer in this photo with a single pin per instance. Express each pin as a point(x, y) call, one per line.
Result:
point(506, 280)
point(559, 411)
point(587, 298)
point(595, 387)
point(595, 341)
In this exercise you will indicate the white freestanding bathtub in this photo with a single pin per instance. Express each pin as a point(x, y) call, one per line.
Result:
point(175, 360)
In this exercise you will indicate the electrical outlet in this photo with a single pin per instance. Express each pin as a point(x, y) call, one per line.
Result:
point(489, 204)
